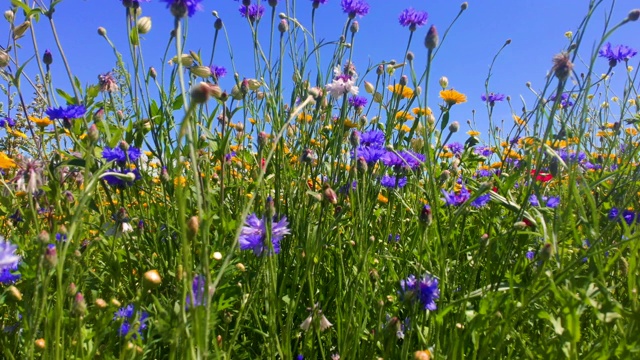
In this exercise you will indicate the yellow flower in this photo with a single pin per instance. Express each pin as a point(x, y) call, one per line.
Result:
point(404, 116)
point(421, 111)
point(181, 180)
point(383, 199)
point(305, 117)
point(252, 121)
point(473, 133)
point(350, 124)
point(6, 162)
point(631, 131)
point(404, 91)
point(403, 128)
point(41, 122)
point(518, 119)
point(16, 133)
point(452, 97)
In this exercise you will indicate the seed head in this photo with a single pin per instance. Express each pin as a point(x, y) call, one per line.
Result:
point(562, 66)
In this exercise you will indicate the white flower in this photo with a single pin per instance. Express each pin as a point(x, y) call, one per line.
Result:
point(339, 86)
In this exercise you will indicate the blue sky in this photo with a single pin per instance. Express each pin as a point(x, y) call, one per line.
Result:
point(536, 29)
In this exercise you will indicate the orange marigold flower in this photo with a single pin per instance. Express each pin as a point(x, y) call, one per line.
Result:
point(404, 116)
point(401, 90)
point(6, 162)
point(452, 97)
point(421, 111)
point(41, 122)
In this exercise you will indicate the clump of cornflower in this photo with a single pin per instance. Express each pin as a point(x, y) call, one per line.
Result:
point(7, 122)
point(550, 202)
point(358, 102)
point(199, 292)
point(412, 18)
point(254, 234)
point(218, 72)
point(395, 238)
point(456, 148)
point(66, 114)
point(456, 198)
point(371, 147)
point(565, 101)
point(355, 8)
point(481, 201)
point(126, 315)
point(424, 291)
point(121, 156)
point(393, 182)
point(616, 53)
point(628, 215)
point(403, 160)
point(9, 261)
point(492, 98)
point(253, 12)
point(181, 8)
point(485, 151)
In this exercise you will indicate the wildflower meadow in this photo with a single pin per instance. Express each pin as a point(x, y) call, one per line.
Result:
point(279, 197)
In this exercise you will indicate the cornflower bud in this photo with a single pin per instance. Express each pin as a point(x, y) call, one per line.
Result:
point(354, 138)
point(432, 39)
point(380, 70)
point(410, 56)
point(562, 66)
point(634, 15)
point(217, 24)
point(51, 255)
point(79, 305)
point(92, 133)
point(404, 80)
point(283, 26)
point(464, 6)
point(200, 93)
point(355, 26)
point(102, 31)
point(47, 58)
point(153, 73)
point(454, 127)
point(329, 195)
point(144, 25)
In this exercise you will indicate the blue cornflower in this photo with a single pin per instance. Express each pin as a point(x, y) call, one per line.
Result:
point(355, 7)
point(553, 202)
point(403, 159)
point(370, 154)
point(373, 138)
point(8, 257)
point(7, 122)
point(393, 182)
point(492, 98)
point(565, 102)
point(391, 237)
point(456, 199)
point(616, 53)
point(613, 213)
point(413, 18)
point(127, 314)
point(181, 8)
point(66, 114)
point(218, 71)
point(119, 182)
point(358, 102)
point(253, 12)
point(61, 237)
point(199, 292)
point(481, 201)
point(425, 290)
point(533, 200)
point(120, 156)
point(483, 151)
point(530, 255)
point(456, 148)
point(629, 216)
point(254, 234)
point(484, 173)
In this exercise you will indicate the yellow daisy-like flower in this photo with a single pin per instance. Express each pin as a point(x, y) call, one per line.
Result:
point(631, 131)
point(421, 111)
point(16, 133)
point(473, 133)
point(383, 199)
point(518, 119)
point(401, 90)
point(6, 162)
point(403, 128)
point(404, 116)
point(452, 97)
point(41, 122)
point(304, 117)
point(350, 124)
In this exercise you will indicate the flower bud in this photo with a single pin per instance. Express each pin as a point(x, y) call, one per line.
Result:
point(253, 84)
point(15, 293)
point(193, 225)
point(432, 39)
point(403, 80)
point(200, 93)
point(240, 267)
point(19, 30)
point(5, 60)
point(72, 289)
point(410, 56)
point(40, 344)
point(144, 25)
point(380, 70)
point(368, 87)
point(185, 60)
point(51, 255)
point(562, 66)
point(444, 82)
point(217, 24)
point(102, 31)
point(201, 71)
point(464, 6)
point(355, 26)
point(362, 165)
point(454, 127)
point(79, 305)
point(634, 15)
point(9, 15)
point(153, 73)
point(329, 195)
point(92, 133)
point(43, 236)
point(354, 138)
point(283, 26)
point(217, 256)
point(422, 354)
point(100, 303)
point(151, 279)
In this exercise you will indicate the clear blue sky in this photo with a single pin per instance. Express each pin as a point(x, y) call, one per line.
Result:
point(536, 29)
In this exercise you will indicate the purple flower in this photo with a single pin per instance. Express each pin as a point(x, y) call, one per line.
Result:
point(425, 291)
point(403, 159)
point(358, 102)
point(483, 151)
point(355, 7)
point(413, 18)
point(533, 200)
point(456, 148)
point(616, 53)
point(613, 213)
point(180, 8)
point(481, 201)
point(7, 277)
point(553, 202)
point(453, 199)
point(565, 102)
point(116, 181)
point(370, 154)
point(341, 85)
point(530, 255)
point(199, 292)
point(7, 122)
point(254, 234)
point(629, 216)
point(66, 114)
point(373, 138)
point(127, 314)
point(120, 156)
point(253, 12)
point(123, 313)
point(393, 182)
point(218, 71)
point(492, 98)
point(8, 257)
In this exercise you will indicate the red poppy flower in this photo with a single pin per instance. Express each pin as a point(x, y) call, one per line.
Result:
point(541, 176)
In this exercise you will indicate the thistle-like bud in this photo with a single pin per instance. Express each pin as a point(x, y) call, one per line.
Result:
point(270, 206)
point(329, 195)
point(263, 137)
point(193, 225)
point(354, 138)
point(51, 255)
point(144, 25)
point(562, 66)
point(432, 39)
point(92, 133)
point(151, 279)
point(380, 70)
point(217, 24)
point(410, 56)
point(634, 15)
point(273, 3)
point(404, 80)
point(153, 73)
point(355, 26)
point(79, 305)
point(102, 31)
point(362, 165)
point(426, 216)
point(283, 26)
point(454, 127)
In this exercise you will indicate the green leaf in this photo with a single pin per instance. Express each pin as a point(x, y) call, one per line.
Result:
point(68, 98)
point(178, 102)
